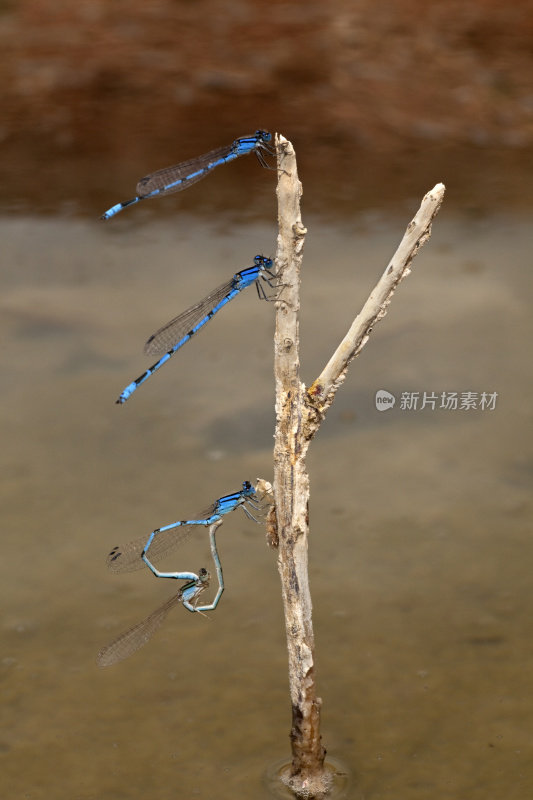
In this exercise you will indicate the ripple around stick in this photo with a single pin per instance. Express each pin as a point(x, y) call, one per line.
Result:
point(340, 779)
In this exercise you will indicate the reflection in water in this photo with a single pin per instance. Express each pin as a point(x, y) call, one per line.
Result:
point(420, 520)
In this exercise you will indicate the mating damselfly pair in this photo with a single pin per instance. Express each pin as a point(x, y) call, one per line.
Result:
point(160, 542)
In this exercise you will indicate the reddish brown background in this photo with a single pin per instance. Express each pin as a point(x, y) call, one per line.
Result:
point(391, 89)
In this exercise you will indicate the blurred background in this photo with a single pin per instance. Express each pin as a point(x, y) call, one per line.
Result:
point(420, 546)
point(94, 91)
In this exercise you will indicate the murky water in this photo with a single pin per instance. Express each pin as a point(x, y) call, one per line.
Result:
point(420, 548)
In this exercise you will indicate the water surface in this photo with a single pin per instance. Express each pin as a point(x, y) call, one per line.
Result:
point(420, 546)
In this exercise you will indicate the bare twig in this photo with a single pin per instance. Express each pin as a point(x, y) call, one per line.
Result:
point(291, 489)
point(299, 414)
point(417, 234)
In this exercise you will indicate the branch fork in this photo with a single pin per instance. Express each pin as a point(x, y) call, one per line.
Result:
point(299, 414)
